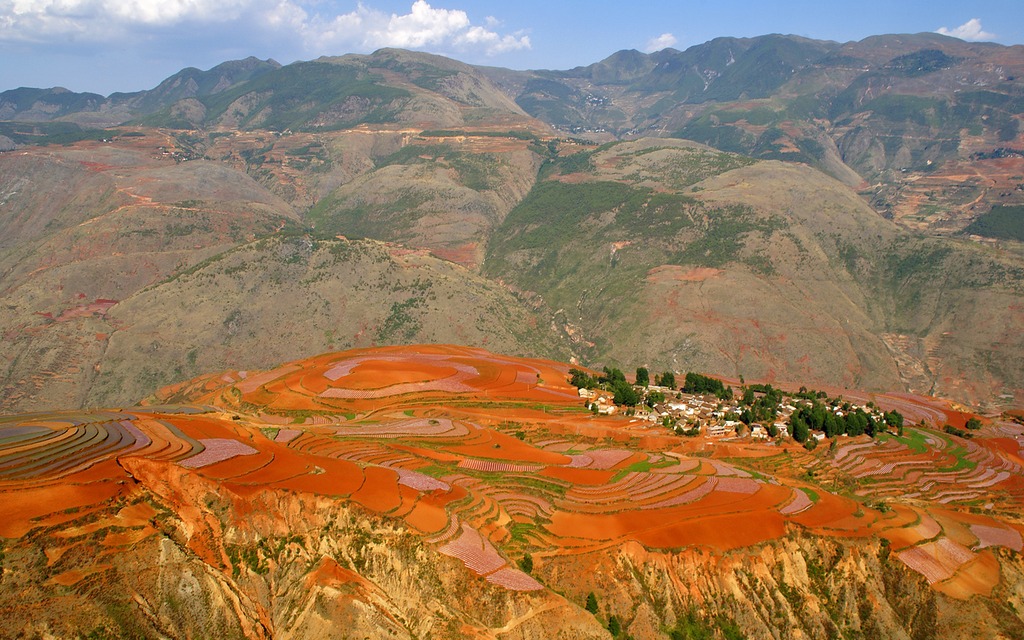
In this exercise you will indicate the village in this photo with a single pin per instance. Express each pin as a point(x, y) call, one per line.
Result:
point(706, 407)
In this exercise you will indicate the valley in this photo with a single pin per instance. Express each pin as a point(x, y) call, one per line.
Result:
point(635, 235)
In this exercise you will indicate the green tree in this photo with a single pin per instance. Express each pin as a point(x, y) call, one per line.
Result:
point(799, 428)
point(697, 383)
point(612, 375)
point(667, 379)
point(526, 564)
point(591, 603)
point(581, 379)
point(831, 426)
point(972, 424)
point(625, 394)
point(894, 419)
point(643, 377)
point(856, 423)
point(614, 627)
point(654, 397)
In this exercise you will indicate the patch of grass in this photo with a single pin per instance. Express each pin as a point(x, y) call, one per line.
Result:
point(722, 237)
point(519, 531)
point(642, 466)
point(401, 324)
point(913, 439)
point(1002, 222)
point(961, 464)
point(435, 471)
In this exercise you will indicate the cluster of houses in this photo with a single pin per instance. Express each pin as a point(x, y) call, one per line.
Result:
point(707, 415)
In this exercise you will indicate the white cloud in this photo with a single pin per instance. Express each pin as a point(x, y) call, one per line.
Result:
point(970, 30)
point(423, 26)
point(663, 41)
point(299, 21)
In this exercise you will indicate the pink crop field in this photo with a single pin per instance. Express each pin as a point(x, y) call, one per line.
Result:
point(475, 551)
point(217, 450)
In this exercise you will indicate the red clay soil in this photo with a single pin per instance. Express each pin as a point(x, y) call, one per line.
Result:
point(329, 573)
point(380, 374)
point(720, 521)
point(428, 454)
point(498, 446)
point(722, 532)
point(19, 509)
point(238, 466)
point(724, 450)
point(907, 528)
point(379, 491)
point(294, 386)
point(74, 576)
point(977, 577)
point(136, 515)
point(287, 464)
point(1009, 447)
point(338, 478)
point(827, 512)
point(589, 477)
point(127, 538)
point(465, 254)
point(358, 463)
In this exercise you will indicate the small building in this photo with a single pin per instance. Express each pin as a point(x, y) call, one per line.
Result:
point(720, 429)
point(716, 430)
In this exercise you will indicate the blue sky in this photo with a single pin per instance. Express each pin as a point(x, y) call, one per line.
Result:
point(128, 45)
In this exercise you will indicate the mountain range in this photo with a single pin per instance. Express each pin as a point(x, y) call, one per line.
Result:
point(772, 208)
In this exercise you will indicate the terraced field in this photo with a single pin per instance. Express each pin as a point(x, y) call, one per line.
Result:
point(489, 458)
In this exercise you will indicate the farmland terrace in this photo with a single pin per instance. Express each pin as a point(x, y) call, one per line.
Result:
point(433, 471)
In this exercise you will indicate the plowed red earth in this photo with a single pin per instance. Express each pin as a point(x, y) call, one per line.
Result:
point(494, 442)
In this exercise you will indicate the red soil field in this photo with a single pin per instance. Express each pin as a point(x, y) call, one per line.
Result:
point(329, 477)
point(379, 491)
point(499, 446)
point(745, 522)
point(596, 477)
point(96, 486)
point(450, 440)
point(378, 374)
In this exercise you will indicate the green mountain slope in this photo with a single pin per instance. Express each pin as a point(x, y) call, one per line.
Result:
point(880, 114)
point(389, 86)
point(442, 192)
point(678, 256)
